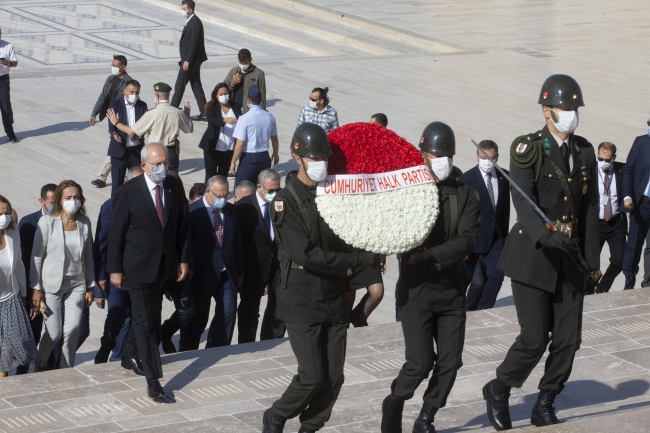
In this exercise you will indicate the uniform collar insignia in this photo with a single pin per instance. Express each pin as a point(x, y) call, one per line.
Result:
point(575, 146)
point(547, 143)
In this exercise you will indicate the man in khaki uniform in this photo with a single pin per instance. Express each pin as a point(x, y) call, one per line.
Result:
point(163, 124)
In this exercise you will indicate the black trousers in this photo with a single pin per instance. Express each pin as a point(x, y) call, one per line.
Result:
point(5, 106)
point(320, 351)
point(181, 318)
point(174, 157)
point(143, 338)
point(614, 233)
point(193, 76)
point(217, 162)
point(119, 166)
point(540, 312)
point(272, 325)
point(248, 311)
point(421, 330)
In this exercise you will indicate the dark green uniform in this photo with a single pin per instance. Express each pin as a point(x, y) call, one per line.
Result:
point(431, 295)
point(548, 284)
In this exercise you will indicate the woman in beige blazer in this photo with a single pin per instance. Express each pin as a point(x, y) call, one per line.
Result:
point(62, 272)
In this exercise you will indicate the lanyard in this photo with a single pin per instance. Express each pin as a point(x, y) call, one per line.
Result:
point(609, 185)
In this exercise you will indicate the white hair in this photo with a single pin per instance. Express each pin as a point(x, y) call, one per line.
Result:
point(268, 174)
point(217, 180)
point(246, 184)
point(145, 150)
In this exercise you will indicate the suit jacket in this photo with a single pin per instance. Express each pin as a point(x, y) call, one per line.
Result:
point(636, 172)
point(17, 273)
point(48, 254)
point(260, 251)
point(104, 100)
point(208, 254)
point(491, 218)
point(136, 241)
point(100, 246)
point(27, 230)
point(192, 43)
point(215, 123)
point(115, 149)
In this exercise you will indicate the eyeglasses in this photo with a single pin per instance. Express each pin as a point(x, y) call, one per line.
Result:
point(160, 164)
point(227, 196)
point(314, 100)
point(605, 160)
point(271, 191)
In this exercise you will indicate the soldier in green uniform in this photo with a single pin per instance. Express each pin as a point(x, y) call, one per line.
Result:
point(557, 170)
point(311, 295)
point(431, 291)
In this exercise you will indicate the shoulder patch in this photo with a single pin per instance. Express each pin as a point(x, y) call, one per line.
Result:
point(521, 147)
point(279, 206)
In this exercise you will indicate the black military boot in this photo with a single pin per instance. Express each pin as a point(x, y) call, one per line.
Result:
point(305, 430)
point(424, 423)
point(496, 396)
point(391, 415)
point(544, 411)
point(272, 423)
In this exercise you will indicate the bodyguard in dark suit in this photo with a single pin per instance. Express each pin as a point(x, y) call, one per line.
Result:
point(558, 171)
point(124, 150)
point(612, 218)
point(148, 249)
point(113, 88)
point(261, 254)
point(192, 49)
point(636, 189)
point(218, 269)
point(494, 205)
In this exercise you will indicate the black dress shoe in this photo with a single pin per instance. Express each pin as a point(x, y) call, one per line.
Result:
point(198, 118)
point(13, 139)
point(544, 411)
point(102, 355)
point(167, 345)
point(498, 410)
point(154, 389)
point(424, 422)
point(133, 364)
point(272, 423)
point(391, 415)
point(305, 430)
point(98, 183)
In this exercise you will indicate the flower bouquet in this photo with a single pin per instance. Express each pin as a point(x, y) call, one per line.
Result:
point(379, 196)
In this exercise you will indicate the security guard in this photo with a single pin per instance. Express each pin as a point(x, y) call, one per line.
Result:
point(431, 290)
point(310, 298)
point(557, 170)
point(163, 124)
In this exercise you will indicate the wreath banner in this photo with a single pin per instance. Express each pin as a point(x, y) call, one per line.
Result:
point(373, 183)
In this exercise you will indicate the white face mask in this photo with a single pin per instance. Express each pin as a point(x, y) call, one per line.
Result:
point(485, 165)
point(224, 98)
point(115, 71)
point(313, 104)
point(568, 121)
point(184, 13)
point(5, 220)
point(317, 170)
point(132, 98)
point(441, 167)
point(604, 165)
point(71, 206)
point(244, 67)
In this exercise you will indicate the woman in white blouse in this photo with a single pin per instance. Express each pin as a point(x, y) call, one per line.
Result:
point(62, 272)
point(17, 345)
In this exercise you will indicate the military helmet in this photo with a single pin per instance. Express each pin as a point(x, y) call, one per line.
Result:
point(438, 138)
point(561, 91)
point(311, 140)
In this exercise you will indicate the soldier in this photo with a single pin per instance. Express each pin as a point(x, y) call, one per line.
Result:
point(431, 291)
point(310, 298)
point(557, 170)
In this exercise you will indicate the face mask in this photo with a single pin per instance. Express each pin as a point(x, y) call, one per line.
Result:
point(132, 99)
point(224, 98)
point(441, 167)
point(71, 206)
point(269, 196)
point(244, 67)
point(485, 165)
point(313, 104)
point(115, 71)
point(49, 210)
point(604, 165)
point(158, 173)
point(5, 220)
point(184, 14)
point(568, 121)
point(317, 170)
point(219, 202)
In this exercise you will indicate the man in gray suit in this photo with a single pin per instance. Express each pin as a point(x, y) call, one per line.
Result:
point(113, 89)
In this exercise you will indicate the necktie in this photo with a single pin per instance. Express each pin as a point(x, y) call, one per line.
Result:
point(218, 226)
point(565, 153)
point(607, 209)
point(160, 210)
point(488, 182)
point(267, 217)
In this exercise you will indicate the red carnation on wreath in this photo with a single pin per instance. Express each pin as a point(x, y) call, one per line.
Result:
point(379, 196)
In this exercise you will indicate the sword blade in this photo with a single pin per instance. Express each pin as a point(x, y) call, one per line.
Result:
point(519, 190)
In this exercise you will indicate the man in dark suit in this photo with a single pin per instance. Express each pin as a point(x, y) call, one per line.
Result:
point(611, 214)
point(123, 149)
point(147, 250)
point(636, 176)
point(218, 269)
point(494, 206)
point(261, 254)
point(118, 316)
point(192, 49)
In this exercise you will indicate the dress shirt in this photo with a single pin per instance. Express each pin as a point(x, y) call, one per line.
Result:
point(225, 141)
point(261, 202)
point(326, 119)
point(6, 288)
point(255, 129)
point(210, 209)
point(568, 145)
point(130, 118)
point(188, 19)
point(6, 51)
point(613, 196)
point(151, 186)
point(495, 183)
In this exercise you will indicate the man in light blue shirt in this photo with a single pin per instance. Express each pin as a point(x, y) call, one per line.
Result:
point(253, 132)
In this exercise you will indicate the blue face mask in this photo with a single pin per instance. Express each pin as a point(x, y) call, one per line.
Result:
point(49, 210)
point(219, 202)
point(269, 196)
